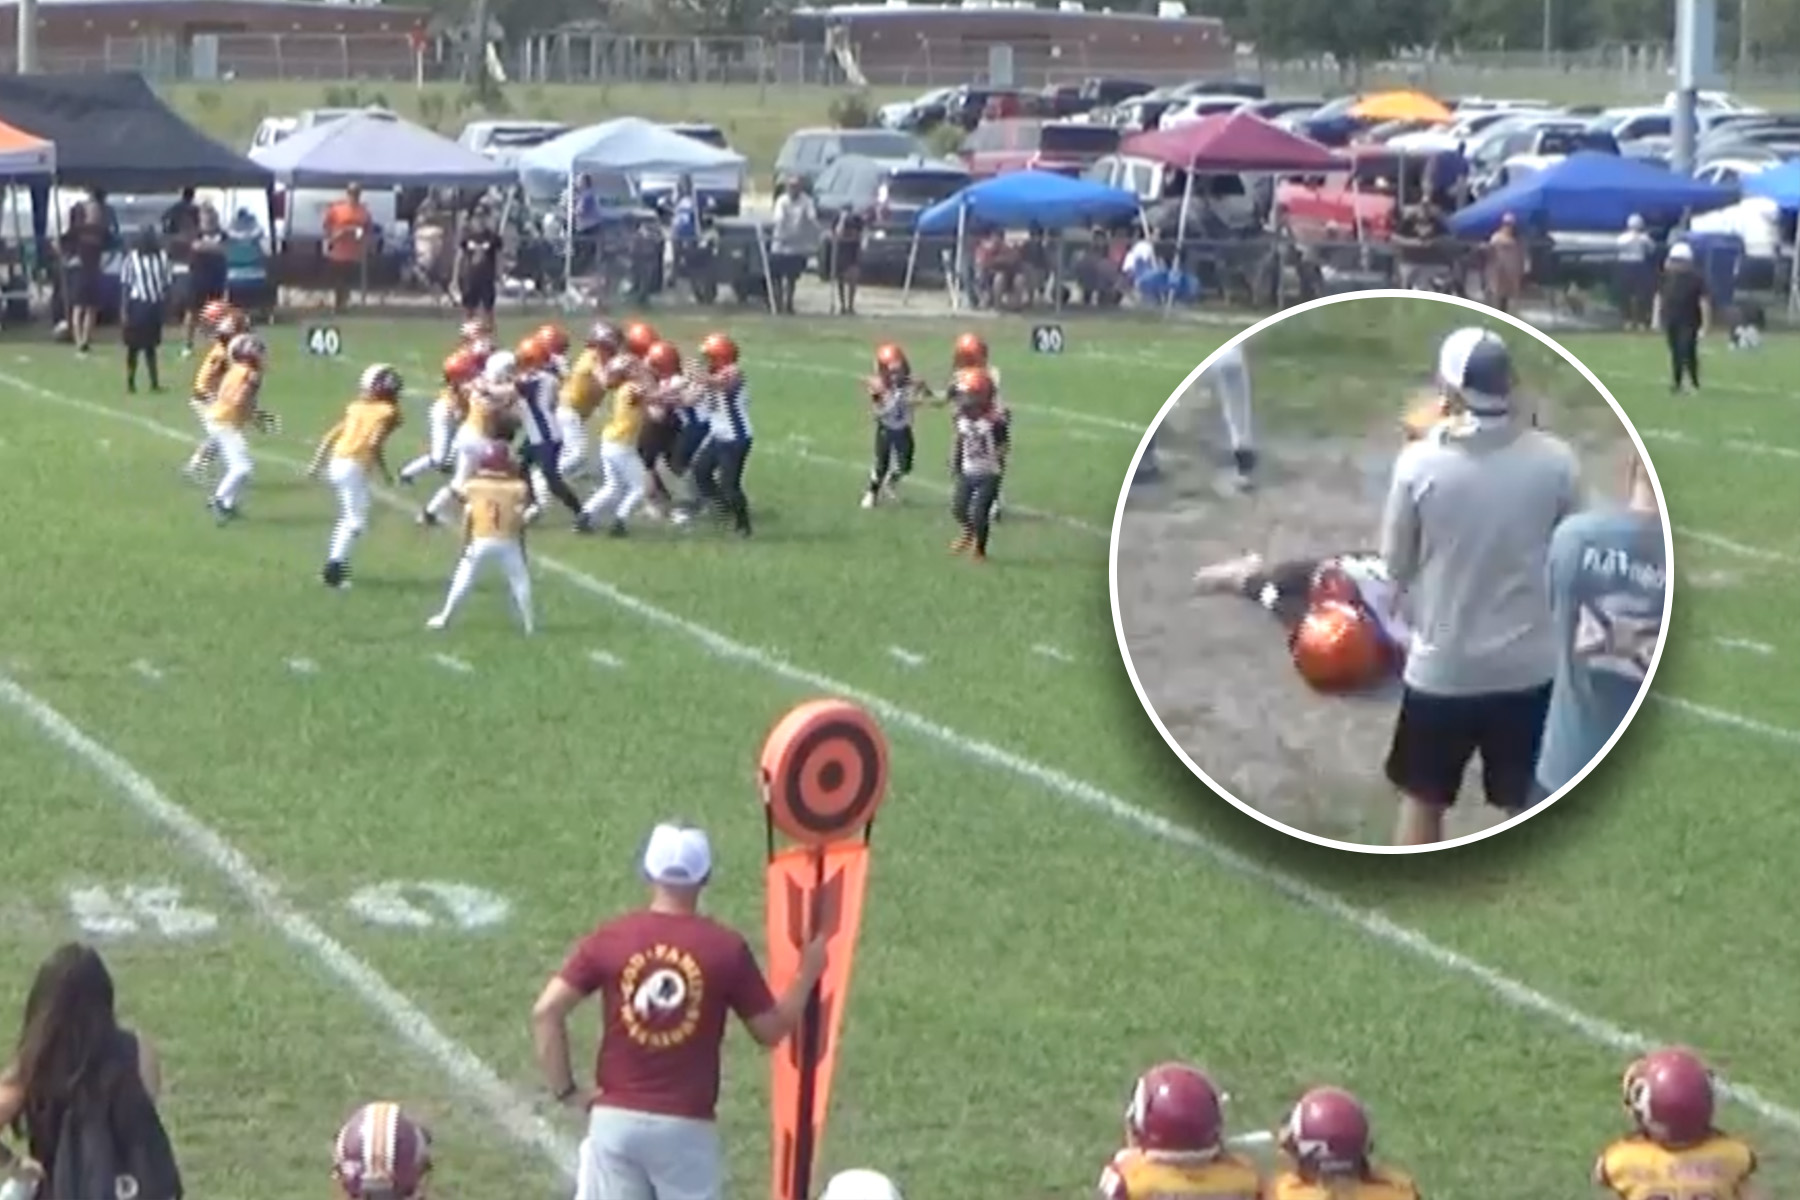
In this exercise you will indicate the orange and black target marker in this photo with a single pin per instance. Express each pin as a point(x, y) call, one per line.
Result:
point(824, 773)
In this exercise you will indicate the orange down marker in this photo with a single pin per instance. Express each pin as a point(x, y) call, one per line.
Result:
point(824, 774)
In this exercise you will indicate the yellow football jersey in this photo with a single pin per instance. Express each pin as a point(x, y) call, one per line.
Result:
point(364, 430)
point(1636, 1168)
point(235, 404)
point(494, 508)
point(627, 417)
point(1140, 1175)
point(582, 391)
point(456, 402)
point(211, 372)
point(1377, 1183)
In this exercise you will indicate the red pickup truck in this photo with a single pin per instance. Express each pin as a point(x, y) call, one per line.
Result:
point(1362, 203)
point(1015, 144)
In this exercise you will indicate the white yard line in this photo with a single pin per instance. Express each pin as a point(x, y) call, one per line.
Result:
point(452, 663)
point(601, 658)
point(1372, 924)
point(1051, 652)
point(1720, 716)
point(801, 449)
point(1750, 645)
point(1719, 541)
point(906, 658)
point(147, 670)
point(471, 1075)
point(303, 666)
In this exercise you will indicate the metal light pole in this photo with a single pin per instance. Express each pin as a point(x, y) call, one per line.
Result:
point(1696, 26)
point(27, 37)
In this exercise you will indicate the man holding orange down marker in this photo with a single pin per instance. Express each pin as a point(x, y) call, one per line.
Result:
point(667, 978)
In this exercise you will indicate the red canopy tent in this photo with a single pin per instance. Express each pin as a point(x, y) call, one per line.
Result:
point(1233, 142)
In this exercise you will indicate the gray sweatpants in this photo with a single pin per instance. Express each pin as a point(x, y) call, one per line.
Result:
point(644, 1156)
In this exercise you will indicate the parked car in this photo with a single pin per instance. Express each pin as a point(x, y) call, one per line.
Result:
point(1198, 108)
point(809, 151)
point(1286, 106)
point(504, 141)
point(890, 193)
point(274, 129)
point(1019, 145)
point(723, 189)
point(919, 115)
point(1163, 190)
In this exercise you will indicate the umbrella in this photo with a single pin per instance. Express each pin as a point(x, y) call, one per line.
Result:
point(1401, 106)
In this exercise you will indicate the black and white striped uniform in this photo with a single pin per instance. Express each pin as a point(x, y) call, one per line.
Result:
point(895, 409)
point(718, 469)
point(542, 451)
point(144, 279)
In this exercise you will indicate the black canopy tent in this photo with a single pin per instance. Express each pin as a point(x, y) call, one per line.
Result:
point(112, 132)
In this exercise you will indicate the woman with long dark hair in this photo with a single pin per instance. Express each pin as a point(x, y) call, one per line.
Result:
point(81, 1089)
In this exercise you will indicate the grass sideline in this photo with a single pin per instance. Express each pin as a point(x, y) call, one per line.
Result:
point(755, 118)
point(1024, 956)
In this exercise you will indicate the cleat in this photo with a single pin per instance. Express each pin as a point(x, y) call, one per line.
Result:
point(533, 513)
point(426, 519)
point(681, 517)
point(437, 622)
point(978, 556)
point(336, 575)
point(584, 524)
point(616, 529)
point(868, 500)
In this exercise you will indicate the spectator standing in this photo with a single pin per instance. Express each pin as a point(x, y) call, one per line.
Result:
point(1683, 310)
point(89, 236)
point(1506, 265)
point(81, 1089)
point(795, 234)
point(667, 978)
point(1637, 274)
point(846, 257)
point(208, 272)
point(1466, 537)
point(145, 280)
point(478, 267)
point(349, 231)
point(1608, 587)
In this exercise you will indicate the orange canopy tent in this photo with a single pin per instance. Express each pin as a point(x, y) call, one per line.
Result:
point(25, 155)
point(1402, 106)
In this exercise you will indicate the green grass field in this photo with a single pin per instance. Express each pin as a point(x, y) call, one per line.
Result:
point(1054, 904)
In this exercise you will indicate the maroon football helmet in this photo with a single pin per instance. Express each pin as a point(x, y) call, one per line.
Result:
point(381, 1154)
point(1669, 1094)
point(1327, 1133)
point(1175, 1109)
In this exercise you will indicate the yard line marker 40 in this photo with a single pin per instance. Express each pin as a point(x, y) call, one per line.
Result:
point(478, 1080)
point(1372, 924)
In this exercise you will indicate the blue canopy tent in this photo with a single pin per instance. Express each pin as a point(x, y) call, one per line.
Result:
point(1592, 193)
point(1018, 200)
point(1780, 183)
point(626, 146)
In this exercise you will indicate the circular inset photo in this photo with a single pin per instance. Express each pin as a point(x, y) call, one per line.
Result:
point(1391, 571)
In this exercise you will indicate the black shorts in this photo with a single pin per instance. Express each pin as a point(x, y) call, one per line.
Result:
point(657, 441)
point(206, 280)
point(479, 293)
point(84, 286)
point(1436, 736)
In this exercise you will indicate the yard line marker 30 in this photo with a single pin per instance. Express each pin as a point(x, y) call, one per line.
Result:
point(1370, 923)
point(477, 1080)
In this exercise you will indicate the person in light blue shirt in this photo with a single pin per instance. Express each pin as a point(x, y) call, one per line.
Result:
point(1609, 586)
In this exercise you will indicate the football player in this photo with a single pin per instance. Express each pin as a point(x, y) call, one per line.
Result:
point(536, 381)
point(639, 337)
point(448, 411)
point(659, 438)
point(1325, 1144)
point(622, 469)
point(555, 341)
point(496, 503)
point(381, 1154)
point(224, 323)
point(977, 461)
point(581, 394)
point(355, 449)
point(718, 465)
point(971, 353)
point(1674, 1151)
point(1341, 613)
point(1227, 379)
point(1175, 1143)
point(491, 422)
point(894, 399)
point(234, 411)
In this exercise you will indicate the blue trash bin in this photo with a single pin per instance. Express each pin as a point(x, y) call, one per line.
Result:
point(1717, 257)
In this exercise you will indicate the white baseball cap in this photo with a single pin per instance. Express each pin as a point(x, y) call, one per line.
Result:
point(1681, 252)
point(677, 856)
point(861, 1185)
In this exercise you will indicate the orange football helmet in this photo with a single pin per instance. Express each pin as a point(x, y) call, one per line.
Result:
point(461, 367)
point(663, 360)
point(971, 351)
point(530, 355)
point(554, 339)
point(1338, 649)
point(719, 351)
point(230, 323)
point(639, 338)
point(973, 387)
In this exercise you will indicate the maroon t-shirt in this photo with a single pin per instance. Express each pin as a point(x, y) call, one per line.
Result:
point(666, 982)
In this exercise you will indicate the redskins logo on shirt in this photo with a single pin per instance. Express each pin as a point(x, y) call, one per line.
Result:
point(661, 988)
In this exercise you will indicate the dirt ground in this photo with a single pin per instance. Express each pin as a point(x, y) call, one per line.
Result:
point(1216, 669)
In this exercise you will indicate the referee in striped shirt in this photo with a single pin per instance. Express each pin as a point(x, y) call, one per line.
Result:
point(144, 280)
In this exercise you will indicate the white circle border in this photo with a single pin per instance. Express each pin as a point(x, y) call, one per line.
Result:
point(1112, 570)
